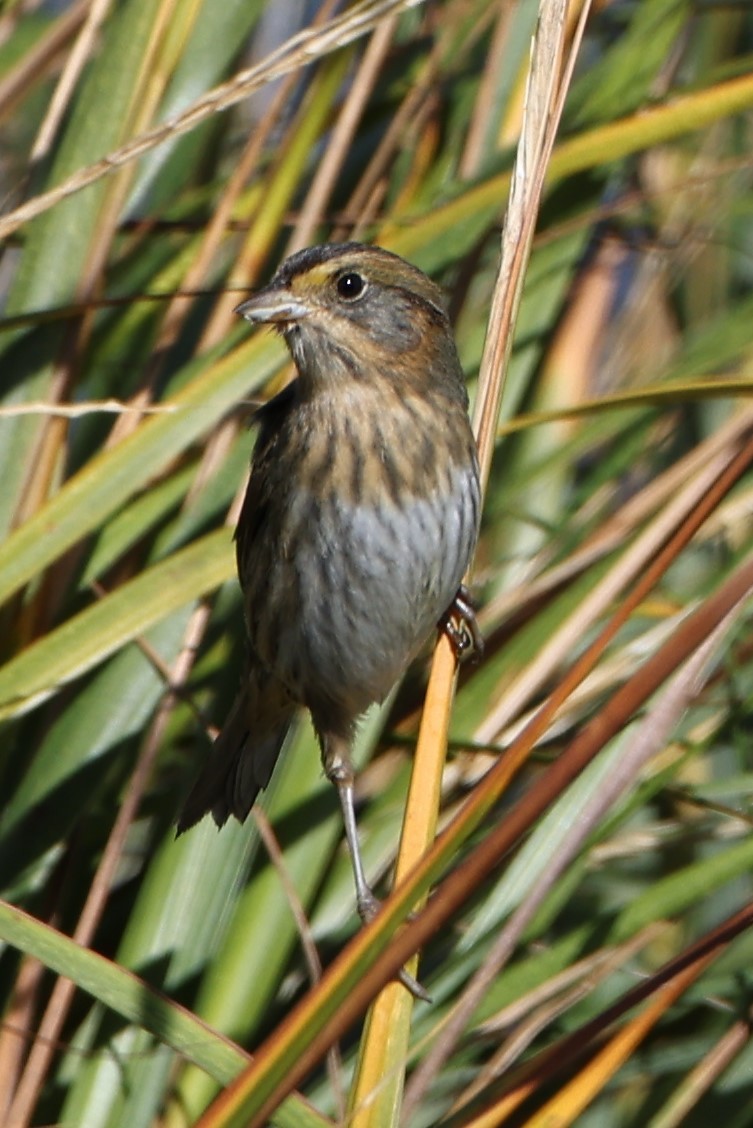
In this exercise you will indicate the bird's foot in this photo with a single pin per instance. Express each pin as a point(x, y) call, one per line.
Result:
point(368, 905)
point(337, 765)
point(461, 627)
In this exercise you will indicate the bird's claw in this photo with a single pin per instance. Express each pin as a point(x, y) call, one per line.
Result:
point(461, 627)
point(412, 985)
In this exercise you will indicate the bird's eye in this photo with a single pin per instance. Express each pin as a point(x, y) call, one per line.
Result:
point(350, 286)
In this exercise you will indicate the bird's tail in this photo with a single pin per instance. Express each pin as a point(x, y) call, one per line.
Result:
point(243, 755)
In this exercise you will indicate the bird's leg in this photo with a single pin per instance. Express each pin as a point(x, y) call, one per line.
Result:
point(338, 769)
point(467, 635)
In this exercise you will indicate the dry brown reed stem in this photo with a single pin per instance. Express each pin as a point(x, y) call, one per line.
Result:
point(74, 65)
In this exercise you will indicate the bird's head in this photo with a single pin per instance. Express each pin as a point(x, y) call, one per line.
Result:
point(350, 311)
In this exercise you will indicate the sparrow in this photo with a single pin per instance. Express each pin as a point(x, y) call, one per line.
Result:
point(359, 521)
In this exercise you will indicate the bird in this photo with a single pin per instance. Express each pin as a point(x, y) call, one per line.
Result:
point(359, 522)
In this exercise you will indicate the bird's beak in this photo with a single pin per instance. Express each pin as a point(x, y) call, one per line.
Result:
point(272, 305)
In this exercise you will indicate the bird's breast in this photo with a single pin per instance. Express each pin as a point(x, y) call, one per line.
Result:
point(362, 558)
